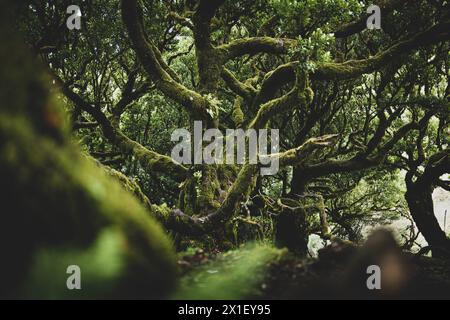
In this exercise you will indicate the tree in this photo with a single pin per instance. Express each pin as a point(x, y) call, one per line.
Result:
point(345, 102)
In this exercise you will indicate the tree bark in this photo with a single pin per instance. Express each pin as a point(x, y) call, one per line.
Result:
point(420, 203)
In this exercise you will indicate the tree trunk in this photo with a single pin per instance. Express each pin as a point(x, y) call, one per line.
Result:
point(298, 182)
point(291, 230)
point(420, 203)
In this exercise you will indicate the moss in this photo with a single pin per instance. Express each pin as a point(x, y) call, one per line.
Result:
point(208, 190)
point(237, 274)
point(273, 107)
point(227, 174)
point(101, 265)
point(56, 196)
point(237, 114)
point(256, 45)
point(347, 70)
point(210, 64)
point(238, 192)
point(244, 183)
point(152, 161)
point(128, 184)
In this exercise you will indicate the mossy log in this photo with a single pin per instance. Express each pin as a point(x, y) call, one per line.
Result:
point(59, 208)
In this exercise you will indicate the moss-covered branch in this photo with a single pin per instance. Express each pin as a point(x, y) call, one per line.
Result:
point(151, 161)
point(169, 218)
point(298, 155)
point(256, 45)
point(274, 80)
point(157, 70)
point(238, 192)
point(271, 108)
point(183, 20)
point(355, 68)
point(244, 90)
point(386, 6)
point(301, 94)
point(60, 204)
point(237, 114)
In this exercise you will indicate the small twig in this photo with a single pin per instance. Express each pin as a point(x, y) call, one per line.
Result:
point(445, 221)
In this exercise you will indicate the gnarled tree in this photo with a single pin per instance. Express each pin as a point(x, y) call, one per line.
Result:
point(341, 96)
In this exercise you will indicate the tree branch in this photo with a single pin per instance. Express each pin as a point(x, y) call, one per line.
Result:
point(245, 91)
point(150, 160)
point(361, 160)
point(352, 28)
point(301, 93)
point(355, 68)
point(273, 81)
point(151, 59)
point(256, 45)
point(297, 155)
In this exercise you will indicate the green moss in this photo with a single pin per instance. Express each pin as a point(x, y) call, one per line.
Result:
point(346, 70)
point(57, 196)
point(54, 198)
point(210, 64)
point(227, 174)
point(102, 265)
point(246, 180)
point(188, 196)
point(237, 114)
point(152, 161)
point(237, 274)
point(238, 192)
point(208, 190)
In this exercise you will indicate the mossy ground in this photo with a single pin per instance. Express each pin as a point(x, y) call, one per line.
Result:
point(263, 272)
point(235, 274)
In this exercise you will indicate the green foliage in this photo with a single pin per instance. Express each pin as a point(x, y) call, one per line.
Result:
point(377, 199)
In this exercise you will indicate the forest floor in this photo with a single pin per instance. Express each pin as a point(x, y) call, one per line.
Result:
point(338, 273)
point(330, 278)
